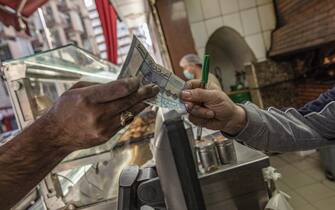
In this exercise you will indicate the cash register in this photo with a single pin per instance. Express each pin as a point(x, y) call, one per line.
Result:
point(174, 181)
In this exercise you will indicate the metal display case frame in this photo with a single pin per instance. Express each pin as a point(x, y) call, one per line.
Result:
point(61, 67)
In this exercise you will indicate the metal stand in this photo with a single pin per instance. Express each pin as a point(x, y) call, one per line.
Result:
point(140, 187)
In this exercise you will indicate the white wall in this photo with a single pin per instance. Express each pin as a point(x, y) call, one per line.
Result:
point(253, 19)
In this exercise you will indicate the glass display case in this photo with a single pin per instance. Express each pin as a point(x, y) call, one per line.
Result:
point(86, 177)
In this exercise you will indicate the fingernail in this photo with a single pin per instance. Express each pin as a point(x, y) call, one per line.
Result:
point(186, 95)
point(152, 85)
point(188, 106)
point(210, 114)
point(155, 88)
point(133, 80)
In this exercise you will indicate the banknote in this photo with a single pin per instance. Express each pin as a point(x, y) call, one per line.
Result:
point(140, 63)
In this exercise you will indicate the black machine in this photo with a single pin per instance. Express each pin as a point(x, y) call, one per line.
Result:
point(172, 182)
point(181, 188)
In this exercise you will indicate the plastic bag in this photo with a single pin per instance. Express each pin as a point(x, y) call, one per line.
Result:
point(279, 202)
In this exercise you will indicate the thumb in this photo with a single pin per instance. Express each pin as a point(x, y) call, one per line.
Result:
point(199, 95)
point(82, 84)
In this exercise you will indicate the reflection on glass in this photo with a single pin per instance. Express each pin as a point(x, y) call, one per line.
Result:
point(91, 175)
point(52, 72)
point(69, 62)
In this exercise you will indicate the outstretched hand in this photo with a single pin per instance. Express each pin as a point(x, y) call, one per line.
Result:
point(89, 114)
point(212, 108)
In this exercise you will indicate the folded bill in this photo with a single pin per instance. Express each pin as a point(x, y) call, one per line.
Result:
point(140, 63)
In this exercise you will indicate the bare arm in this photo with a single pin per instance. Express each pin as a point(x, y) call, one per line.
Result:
point(82, 117)
point(26, 159)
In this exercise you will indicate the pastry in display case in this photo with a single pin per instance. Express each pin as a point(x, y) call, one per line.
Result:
point(87, 177)
point(142, 127)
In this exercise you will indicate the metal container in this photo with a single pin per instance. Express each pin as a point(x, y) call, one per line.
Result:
point(226, 150)
point(238, 185)
point(206, 152)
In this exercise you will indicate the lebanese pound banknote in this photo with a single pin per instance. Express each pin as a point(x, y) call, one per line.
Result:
point(140, 63)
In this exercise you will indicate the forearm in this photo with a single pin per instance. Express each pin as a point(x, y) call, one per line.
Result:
point(85, 116)
point(274, 130)
point(26, 160)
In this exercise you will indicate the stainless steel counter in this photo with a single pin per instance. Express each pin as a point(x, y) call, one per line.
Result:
point(238, 186)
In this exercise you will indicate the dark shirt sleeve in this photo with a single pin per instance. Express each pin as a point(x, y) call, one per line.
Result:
point(318, 104)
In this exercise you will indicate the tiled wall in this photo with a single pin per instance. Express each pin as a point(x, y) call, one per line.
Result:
point(253, 19)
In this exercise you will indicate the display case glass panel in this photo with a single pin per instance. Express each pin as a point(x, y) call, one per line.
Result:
point(86, 176)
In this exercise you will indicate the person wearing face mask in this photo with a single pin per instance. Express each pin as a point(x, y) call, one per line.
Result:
point(191, 64)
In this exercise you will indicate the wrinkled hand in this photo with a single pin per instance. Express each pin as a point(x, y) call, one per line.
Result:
point(89, 114)
point(212, 108)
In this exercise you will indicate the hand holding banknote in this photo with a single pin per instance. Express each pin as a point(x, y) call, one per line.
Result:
point(212, 108)
point(140, 63)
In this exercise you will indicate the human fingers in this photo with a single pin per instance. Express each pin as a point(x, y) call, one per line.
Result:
point(200, 111)
point(82, 84)
point(212, 124)
point(113, 125)
point(198, 121)
point(192, 84)
point(103, 93)
point(198, 95)
point(118, 106)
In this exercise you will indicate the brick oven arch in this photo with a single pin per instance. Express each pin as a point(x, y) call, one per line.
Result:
point(229, 52)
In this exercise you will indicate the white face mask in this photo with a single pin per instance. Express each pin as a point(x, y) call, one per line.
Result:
point(188, 75)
